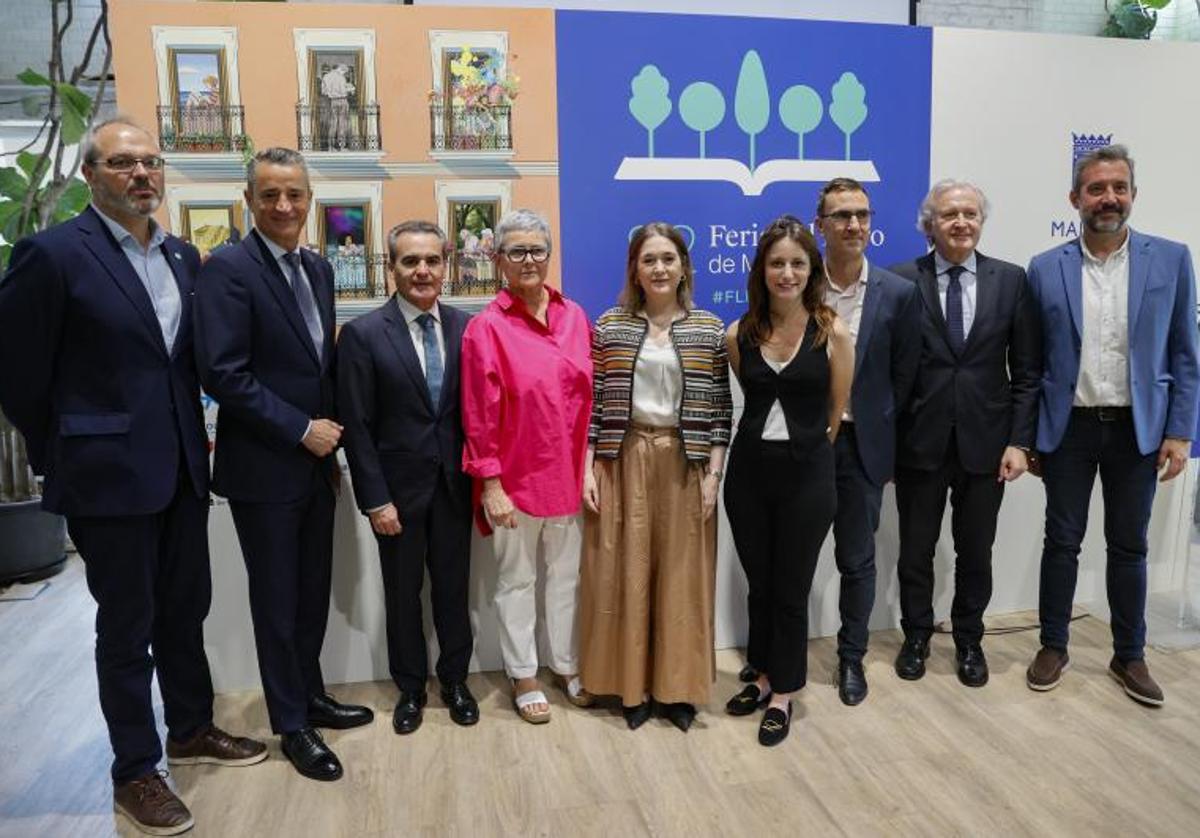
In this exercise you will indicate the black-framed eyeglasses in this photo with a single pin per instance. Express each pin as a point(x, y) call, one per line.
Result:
point(518, 254)
point(121, 163)
point(863, 216)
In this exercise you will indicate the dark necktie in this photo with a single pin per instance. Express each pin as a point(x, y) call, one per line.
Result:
point(954, 309)
point(305, 300)
point(433, 357)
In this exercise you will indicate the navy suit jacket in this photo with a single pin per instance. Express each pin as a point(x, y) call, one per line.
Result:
point(1163, 375)
point(987, 393)
point(108, 415)
point(398, 442)
point(886, 353)
point(257, 361)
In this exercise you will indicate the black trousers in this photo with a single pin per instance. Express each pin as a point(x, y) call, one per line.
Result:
point(288, 550)
point(440, 536)
point(149, 575)
point(780, 511)
point(854, 526)
point(975, 504)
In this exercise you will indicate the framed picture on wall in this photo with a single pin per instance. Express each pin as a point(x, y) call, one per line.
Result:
point(472, 239)
point(470, 93)
point(343, 230)
point(198, 90)
point(335, 93)
point(207, 225)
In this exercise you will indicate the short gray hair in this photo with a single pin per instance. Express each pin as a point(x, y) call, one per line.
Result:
point(1115, 153)
point(415, 227)
point(926, 212)
point(88, 152)
point(278, 155)
point(523, 221)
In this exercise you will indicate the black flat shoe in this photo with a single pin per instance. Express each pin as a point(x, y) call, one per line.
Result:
point(910, 662)
point(406, 718)
point(464, 710)
point(774, 726)
point(309, 754)
point(637, 716)
point(325, 711)
point(852, 682)
point(747, 701)
point(972, 665)
point(681, 714)
point(748, 675)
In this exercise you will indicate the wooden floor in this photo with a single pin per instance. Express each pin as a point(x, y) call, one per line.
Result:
point(926, 758)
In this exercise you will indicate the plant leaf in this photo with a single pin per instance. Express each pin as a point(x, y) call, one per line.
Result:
point(72, 201)
point(33, 79)
point(27, 163)
point(31, 105)
point(13, 183)
point(76, 106)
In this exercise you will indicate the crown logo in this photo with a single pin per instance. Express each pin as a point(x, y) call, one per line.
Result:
point(1087, 143)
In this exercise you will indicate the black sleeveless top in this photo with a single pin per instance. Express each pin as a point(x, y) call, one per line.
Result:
point(802, 388)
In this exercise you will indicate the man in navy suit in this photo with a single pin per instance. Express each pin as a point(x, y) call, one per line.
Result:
point(1118, 396)
point(95, 327)
point(265, 351)
point(969, 424)
point(882, 312)
point(398, 396)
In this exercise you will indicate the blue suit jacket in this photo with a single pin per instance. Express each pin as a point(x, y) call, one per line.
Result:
point(108, 415)
point(1163, 374)
point(886, 354)
point(257, 361)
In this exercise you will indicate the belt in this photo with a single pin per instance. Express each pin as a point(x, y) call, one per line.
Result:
point(1107, 413)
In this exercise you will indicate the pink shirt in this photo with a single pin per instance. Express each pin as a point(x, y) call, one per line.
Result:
point(526, 399)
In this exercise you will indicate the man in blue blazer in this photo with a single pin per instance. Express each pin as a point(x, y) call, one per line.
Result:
point(398, 397)
point(882, 311)
point(99, 377)
point(265, 350)
point(1118, 395)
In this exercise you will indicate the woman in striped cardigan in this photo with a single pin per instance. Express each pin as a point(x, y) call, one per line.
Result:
point(656, 448)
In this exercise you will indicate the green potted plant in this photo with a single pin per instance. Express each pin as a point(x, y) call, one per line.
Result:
point(1133, 19)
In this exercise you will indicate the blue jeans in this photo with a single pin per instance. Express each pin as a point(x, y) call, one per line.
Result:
point(1127, 480)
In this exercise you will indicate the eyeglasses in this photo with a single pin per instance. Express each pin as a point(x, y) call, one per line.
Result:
point(843, 216)
point(128, 164)
point(518, 254)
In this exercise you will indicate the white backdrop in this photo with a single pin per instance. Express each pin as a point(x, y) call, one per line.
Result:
point(1004, 109)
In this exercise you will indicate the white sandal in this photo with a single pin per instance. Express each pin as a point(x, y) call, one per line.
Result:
point(525, 702)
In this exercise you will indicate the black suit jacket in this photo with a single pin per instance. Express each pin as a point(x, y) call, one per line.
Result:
point(988, 393)
point(399, 444)
point(108, 415)
point(257, 361)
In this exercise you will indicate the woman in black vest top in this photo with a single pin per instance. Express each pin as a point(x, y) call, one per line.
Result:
point(795, 360)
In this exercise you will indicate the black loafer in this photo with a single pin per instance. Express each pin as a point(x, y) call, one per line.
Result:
point(972, 665)
point(406, 718)
point(464, 710)
point(748, 675)
point(751, 698)
point(325, 711)
point(852, 682)
point(309, 754)
point(774, 726)
point(910, 663)
point(638, 715)
point(681, 714)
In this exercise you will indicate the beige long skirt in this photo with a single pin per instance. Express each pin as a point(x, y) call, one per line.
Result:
point(647, 576)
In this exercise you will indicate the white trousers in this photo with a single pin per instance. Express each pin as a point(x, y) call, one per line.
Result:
point(560, 540)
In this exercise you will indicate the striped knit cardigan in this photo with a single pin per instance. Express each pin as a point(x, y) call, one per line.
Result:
point(706, 408)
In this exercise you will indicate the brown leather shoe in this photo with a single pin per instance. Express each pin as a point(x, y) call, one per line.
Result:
point(215, 747)
point(152, 806)
point(1047, 668)
point(1134, 676)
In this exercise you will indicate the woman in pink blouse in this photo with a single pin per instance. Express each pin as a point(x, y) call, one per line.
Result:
point(527, 396)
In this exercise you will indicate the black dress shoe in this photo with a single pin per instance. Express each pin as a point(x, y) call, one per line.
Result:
point(972, 665)
point(325, 711)
point(406, 718)
point(638, 715)
point(852, 682)
point(464, 710)
point(910, 663)
point(748, 675)
point(307, 751)
point(747, 701)
point(681, 714)
point(774, 726)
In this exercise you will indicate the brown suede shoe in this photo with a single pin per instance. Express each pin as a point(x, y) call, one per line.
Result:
point(1134, 676)
point(215, 747)
point(152, 806)
point(1047, 668)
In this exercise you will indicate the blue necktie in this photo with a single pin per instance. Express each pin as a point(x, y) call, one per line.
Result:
point(306, 301)
point(433, 357)
point(954, 309)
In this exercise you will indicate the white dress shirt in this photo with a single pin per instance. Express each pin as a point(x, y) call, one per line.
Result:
point(968, 280)
point(410, 313)
point(150, 265)
point(1104, 348)
point(848, 303)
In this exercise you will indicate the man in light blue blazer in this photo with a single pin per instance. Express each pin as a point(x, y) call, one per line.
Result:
point(1118, 396)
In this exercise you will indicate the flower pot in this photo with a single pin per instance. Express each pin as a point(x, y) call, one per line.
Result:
point(32, 542)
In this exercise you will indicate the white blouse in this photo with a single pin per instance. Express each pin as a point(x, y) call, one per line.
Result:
point(657, 385)
point(775, 428)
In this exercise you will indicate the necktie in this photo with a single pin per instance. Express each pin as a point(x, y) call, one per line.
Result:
point(433, 357)
point(305, 300)
point(954, 309)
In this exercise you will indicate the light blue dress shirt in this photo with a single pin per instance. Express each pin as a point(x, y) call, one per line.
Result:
point(150, 265)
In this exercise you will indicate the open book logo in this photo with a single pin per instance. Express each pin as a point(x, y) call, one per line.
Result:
point(702, 108)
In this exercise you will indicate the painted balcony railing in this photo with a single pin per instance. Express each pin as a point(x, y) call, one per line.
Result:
point(362, 276)
point(334, 126)
point(473, 128)
point(470, 276)
point(200, 128)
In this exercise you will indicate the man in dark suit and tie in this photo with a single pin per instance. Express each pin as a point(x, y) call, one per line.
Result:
point(1118, 397)
point(398, 394)
point(265, 350)
point(969, 423)
point(882, 313)
point(99, 377)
